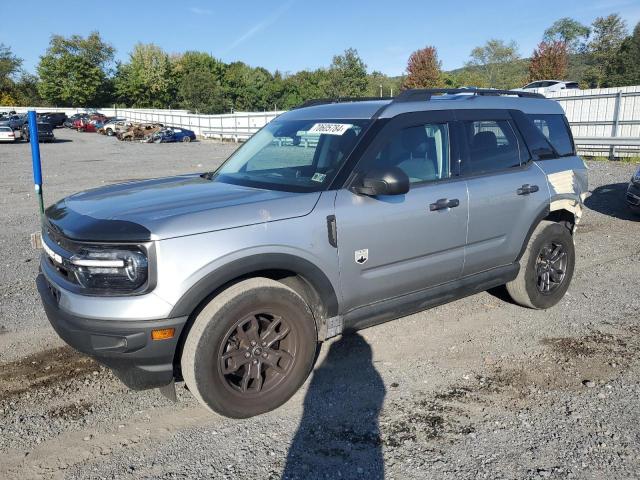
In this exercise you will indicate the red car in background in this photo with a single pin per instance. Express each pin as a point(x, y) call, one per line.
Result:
point(88, 123)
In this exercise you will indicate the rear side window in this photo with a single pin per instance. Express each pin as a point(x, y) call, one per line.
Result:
point(493, 145)
point(556, 130)
point(572, 85)
point(420, 151)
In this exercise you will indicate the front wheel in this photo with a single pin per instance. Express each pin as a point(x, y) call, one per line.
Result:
point(546, 267)
point(186, 139)
point(250, 348)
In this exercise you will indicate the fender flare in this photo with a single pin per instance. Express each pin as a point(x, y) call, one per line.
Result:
point(254, 264)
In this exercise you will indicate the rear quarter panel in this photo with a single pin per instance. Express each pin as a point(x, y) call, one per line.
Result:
point(568, 183)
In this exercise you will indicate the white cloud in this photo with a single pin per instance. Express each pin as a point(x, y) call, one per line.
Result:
point(200, 11)
point(258, 27)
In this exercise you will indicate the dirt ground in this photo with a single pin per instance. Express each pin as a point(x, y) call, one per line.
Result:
point(478, 388)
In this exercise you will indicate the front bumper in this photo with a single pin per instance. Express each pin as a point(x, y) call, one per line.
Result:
point(122, 345)
point(633, 197)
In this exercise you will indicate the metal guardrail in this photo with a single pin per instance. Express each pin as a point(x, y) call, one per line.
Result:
point(608, 141)
point(604, 122)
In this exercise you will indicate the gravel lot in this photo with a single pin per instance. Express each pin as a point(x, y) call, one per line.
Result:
point(479, 388)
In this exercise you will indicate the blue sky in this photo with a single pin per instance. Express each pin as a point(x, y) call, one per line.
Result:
point(291, 35)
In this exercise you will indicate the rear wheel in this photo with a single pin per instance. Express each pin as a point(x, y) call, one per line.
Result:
point(250, 348)
point(546, 267)
point(109, 132)
point(186, 139)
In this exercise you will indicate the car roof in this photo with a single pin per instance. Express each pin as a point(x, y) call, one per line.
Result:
point(465, 101)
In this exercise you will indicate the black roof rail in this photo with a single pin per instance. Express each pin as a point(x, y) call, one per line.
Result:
point(325, 101)
point(425, 94)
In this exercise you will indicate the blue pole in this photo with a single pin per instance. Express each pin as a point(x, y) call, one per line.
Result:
point(35, 157)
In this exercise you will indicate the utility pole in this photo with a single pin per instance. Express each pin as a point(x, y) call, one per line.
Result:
point(380, 90)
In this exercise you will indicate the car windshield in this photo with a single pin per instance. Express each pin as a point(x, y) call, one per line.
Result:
point(293, 155)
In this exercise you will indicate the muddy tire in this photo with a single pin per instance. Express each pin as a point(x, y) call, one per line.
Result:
point(546, 267)
point(250, 348)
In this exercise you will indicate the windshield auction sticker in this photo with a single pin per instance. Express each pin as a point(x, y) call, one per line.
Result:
point(330, 128)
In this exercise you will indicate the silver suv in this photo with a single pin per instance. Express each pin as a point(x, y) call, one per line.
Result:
point(334, 217)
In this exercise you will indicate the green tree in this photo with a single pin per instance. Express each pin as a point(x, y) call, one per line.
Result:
point(198, 77)
point(305, 85)
point(624, 68)
point(348, 75)
point(608, 34)
point(570, 31)
point(9, 68)
point(147, 80)
point(377, 80)
point(549, 60)
point(74, 71)
point(247, 88)
point(26, 91)
point(465, 77)
point(423, 69)
point(496, 61)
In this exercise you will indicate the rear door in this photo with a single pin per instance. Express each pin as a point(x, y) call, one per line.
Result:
point(507, 191)
point(393, 245)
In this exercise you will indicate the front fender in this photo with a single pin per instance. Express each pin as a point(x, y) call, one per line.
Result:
point(249, 265)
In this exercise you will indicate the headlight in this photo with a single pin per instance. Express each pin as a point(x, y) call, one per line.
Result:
point(100, 269)
point(114, 270)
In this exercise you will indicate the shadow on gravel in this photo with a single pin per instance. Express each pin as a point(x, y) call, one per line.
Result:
point(339, 433)
point(610, 200)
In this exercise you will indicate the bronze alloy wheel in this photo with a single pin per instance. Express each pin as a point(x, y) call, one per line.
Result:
point(250, 348)
point(258, 353)
point(551, 267)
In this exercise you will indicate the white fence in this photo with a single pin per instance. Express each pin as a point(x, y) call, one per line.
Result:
point(604, 121)
point(236, 126)
point(608, 116)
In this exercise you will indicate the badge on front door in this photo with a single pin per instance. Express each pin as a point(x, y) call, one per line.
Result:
point(361, 256)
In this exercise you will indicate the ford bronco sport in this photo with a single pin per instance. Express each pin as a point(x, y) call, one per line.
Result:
point(335, 216)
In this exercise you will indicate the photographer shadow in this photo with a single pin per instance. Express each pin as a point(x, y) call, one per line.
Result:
point(339, 434)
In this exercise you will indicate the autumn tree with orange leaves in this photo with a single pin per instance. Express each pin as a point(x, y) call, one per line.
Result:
point(423, 69)
point(549, 61)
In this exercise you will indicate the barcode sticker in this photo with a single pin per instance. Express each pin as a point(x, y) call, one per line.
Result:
point(330, 128)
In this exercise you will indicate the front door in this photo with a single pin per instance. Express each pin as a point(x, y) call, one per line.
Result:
point(393, 245)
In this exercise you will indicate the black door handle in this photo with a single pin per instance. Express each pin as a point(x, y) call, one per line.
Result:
point(526, 189)
point(443, 204)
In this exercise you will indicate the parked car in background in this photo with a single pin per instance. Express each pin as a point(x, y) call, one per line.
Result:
point(70, 121)
point(86, 125)
point(173, 134)
point(15, 122)
point(45, 133)
point(139, 131)
point(633, 193)
point(7, 134)
point(548, 86)
point(56, 119)
point(115, 125)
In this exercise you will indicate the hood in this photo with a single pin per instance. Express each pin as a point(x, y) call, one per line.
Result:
point(170, 207)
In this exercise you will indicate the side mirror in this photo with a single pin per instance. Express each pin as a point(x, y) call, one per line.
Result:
point(384, 181)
